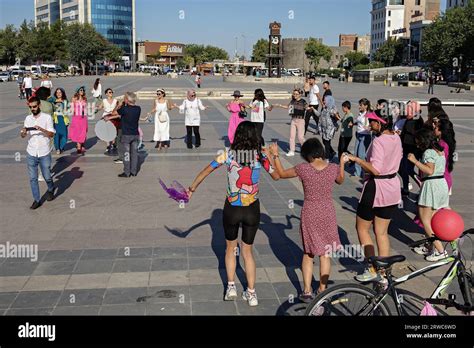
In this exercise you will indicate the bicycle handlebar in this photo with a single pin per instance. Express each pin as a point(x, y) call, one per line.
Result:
point(450, 303)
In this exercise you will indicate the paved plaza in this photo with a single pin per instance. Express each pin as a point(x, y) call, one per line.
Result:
point(113, 246)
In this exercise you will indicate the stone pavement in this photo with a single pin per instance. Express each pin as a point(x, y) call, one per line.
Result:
point(112, 246)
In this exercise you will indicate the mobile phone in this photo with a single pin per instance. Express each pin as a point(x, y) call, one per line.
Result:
point(30, 129)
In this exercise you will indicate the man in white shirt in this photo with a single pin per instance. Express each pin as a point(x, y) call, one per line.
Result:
point(28, 86)
point(314, 101)
point(40, 129)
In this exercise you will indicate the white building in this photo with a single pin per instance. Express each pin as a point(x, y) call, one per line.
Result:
point(456, 3)
point(388, 18)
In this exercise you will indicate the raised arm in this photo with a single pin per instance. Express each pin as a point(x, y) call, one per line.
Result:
point(276, 163)
point(199, 179)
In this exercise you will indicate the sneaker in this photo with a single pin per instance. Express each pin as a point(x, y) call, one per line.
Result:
point(306, 297)
point(118, 161)
point(35, 205)
point(231, 293)
point(436, 256)
point(422, 250)
point(58, 152)
point(250, 297)
point(410, 186)
point(290, 154)
point(367, 276)
point(40, 177)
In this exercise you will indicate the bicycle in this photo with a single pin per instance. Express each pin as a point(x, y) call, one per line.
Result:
point(356, 299)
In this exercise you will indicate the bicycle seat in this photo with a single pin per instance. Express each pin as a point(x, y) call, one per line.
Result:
point(385, 262)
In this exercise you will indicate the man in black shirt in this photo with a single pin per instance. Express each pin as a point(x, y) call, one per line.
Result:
point(412, 124)
point(129, 116)
point(327, 89)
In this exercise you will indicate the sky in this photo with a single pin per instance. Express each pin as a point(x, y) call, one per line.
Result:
point(220, 22)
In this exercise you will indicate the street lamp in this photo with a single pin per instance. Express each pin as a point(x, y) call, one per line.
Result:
point(132, 53)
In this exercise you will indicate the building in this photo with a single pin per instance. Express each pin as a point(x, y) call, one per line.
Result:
point(160, 53)
point(363, 44)
point(388, 18)
point(456, 3)
point(114, 19)
point(348, 40)
point(393, 18)
point(295, 58)
point(416, 40)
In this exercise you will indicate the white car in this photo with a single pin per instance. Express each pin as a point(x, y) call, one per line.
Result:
point(4, 76)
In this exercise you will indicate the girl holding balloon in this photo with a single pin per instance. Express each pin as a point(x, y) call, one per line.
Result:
point(434, 194)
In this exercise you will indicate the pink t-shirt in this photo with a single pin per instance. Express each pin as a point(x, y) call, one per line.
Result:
point(385, 154)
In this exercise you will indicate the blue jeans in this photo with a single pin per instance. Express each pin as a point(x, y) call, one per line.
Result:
point(45, 165)
point(361, 146)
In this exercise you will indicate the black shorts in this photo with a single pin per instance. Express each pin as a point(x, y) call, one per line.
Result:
point(234, 216)
point(366, 209)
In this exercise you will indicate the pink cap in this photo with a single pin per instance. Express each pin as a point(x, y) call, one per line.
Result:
point(373, 116)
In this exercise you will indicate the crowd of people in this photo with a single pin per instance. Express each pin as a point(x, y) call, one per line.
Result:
point(391, 140)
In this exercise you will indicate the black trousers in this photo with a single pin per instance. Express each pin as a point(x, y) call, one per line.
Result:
point(328, 150)
point(28, 93)
point(343, 145)
point(259, 126)
point(189, 136)
point(307, 118)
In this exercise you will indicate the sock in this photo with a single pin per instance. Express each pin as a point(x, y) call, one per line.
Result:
point(251, 290)
point(231, 283)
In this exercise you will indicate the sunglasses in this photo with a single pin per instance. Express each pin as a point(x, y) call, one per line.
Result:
point(159, 93)
point(110, 92)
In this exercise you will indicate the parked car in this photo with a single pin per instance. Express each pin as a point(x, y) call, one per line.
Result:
point(15, 73)
point(4, 76)
point(60, 72)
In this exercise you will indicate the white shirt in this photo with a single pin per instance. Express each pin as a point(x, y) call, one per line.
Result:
point(258, 111)
point(47, 84)
point(28, 82)
point(362, 123)
point(313, 98)
point(39, 145)
point(109, 107)
point(96, 93)
point(192, 117)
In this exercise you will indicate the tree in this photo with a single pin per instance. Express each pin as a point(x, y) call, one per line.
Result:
point(354, 58)
point(155, 56)
point(391, 52)
point(260, 50)
point(195, 52)
point(8, 44)
point(58, 35)
point(113, 52)
point(84, 44)
point(201, 53)
point(450, 35)
point(315, 50)
point(180, 64)
point(24, 41)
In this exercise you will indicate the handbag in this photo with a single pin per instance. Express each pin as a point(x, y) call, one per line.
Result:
point(162, 117)
point(243, 113)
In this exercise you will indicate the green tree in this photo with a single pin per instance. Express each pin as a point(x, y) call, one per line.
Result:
point(212, 52)
point(58, 36)
point(354, 58)
point(450, 35)
point(195, 52)
point(113, 52)
point(8, 44)
point(155, 56)
point(85, 45)
point(201, 53)
point(260, 50)
point(316, 50)
point(391, 52)
point(24, 41)
point(180, 64)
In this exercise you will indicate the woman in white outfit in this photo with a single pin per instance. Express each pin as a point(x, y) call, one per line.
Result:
point(162, 119)
point(190, 107)
point(109, 105)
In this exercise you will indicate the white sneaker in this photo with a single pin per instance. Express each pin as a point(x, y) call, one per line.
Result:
point(40, 177)
point(231, 293)
point(290, 154)
point(422, 250)
point(436, 256)
point(251, 298)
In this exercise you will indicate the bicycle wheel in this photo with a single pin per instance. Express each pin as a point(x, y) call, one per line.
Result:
point(346, 300)
point(411, 304)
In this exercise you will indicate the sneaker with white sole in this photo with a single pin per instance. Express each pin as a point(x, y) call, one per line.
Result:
point(290, 154)
point(436, 256)
point(251, 298)
point(40, 177)
point(231, 293)
point(368, 276)
point(422, 250)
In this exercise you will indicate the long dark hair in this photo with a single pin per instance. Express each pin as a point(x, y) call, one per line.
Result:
point(96, 83)
point(426, 139)
point(259, 95)
point(366, 102)
point(62, 91)
point(445, 127)
point(247, 139)
point(435, 110)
